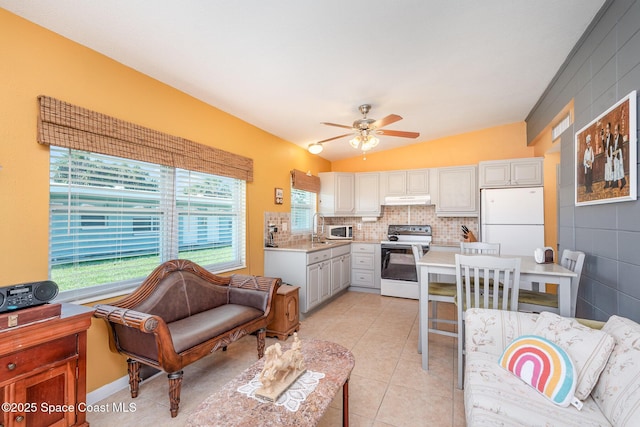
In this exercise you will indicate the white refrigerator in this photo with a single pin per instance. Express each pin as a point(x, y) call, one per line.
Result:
point(513, 217)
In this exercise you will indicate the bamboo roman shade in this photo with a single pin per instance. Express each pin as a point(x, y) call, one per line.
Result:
point(67, 125)
point(302, 181)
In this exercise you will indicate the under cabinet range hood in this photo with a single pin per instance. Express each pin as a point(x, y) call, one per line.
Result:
point(424, 199)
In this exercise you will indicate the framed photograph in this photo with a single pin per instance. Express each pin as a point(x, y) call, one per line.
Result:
point(279, 196)
point(606, 153)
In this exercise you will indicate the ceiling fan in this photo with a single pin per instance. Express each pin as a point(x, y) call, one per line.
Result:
point(365, 131)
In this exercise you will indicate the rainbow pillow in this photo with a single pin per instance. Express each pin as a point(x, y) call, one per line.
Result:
point(542, 365)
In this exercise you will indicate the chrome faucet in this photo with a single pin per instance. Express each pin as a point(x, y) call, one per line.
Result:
point(314, 227)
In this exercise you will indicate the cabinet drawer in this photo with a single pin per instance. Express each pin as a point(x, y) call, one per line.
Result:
point(362, 278)
point(30, 359)
point(318, 256)
point(362, 248)
point(363, 261)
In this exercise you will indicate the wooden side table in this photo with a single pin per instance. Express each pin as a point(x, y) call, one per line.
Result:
point(286, 319)
point(43, 370)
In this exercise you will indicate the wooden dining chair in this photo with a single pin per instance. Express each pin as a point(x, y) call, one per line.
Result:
point(479, 248)
point(438, 292)
point(545, 301)
point(484, 269)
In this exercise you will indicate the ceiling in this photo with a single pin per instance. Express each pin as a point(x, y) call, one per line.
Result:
point(285, 66)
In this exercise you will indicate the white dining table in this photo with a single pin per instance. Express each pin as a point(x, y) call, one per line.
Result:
point(444, 263)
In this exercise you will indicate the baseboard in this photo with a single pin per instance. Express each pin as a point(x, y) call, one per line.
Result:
point(107, 390)
point(121, 383)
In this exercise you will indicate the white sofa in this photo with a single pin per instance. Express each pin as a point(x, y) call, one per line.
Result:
point(607, 363)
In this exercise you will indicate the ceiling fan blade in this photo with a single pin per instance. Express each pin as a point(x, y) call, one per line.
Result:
point(336, 125)
point(401, 133)
point(391, 118)
point(335, 137)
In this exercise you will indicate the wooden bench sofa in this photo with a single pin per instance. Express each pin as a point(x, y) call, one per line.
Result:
point(182, 313)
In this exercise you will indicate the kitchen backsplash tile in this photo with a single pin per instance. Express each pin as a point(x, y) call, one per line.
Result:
point(446, 231)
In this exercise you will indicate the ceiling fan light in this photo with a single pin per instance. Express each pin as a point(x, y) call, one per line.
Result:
point(355, 142)
point(315, 148)
point(369, 143)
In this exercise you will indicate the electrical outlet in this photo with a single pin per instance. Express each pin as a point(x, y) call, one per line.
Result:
point(359, 226)
point(285, 227)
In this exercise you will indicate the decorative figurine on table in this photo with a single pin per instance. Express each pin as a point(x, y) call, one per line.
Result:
point(280, 369)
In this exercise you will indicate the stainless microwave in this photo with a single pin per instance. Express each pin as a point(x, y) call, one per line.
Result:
point(339, 232)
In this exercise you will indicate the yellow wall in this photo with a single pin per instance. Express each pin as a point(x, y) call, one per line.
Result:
point(35, 61)
point(501, 142)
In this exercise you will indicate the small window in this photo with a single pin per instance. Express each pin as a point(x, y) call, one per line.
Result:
point(561, 127)
point(303, 207)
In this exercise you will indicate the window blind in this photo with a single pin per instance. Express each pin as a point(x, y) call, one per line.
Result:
point(70, 126)
point(301, 181)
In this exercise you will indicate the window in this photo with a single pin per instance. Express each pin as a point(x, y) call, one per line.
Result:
point(561, 127)
point(113, 220)
point(303, 206)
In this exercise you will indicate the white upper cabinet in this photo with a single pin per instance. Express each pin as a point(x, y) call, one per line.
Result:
point(404, 183)
point(367, 191)
point(457, 191)
point(337, 193)
point(512, 173)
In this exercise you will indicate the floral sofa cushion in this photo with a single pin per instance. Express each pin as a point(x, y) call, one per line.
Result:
point(617, 392)
point(495, 397)
point(588, 348)
point(491, 331)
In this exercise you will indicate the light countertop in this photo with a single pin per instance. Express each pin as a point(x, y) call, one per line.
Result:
point(312, 247)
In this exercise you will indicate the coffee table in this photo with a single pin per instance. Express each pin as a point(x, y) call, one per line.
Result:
point(229, 407)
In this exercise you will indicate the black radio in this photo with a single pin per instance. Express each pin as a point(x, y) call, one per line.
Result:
point(27, 295)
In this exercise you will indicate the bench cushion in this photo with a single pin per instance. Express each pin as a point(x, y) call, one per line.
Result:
point(200, 327)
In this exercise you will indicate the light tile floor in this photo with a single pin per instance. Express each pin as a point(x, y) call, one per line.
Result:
point(387, 387)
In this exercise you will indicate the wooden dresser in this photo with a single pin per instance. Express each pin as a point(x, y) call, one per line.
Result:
point(286, 319)
point(43, 370)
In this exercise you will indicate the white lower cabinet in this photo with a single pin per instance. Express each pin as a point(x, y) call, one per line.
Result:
point(319, 274)
point(365, 265)
point(318, 283)
point(340, 271)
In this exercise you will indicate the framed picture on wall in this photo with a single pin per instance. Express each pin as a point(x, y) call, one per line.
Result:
point(606, 153)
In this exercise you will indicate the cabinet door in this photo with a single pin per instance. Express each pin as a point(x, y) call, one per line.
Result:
point(313, 286)
point(526, 172)
point(54, 387)
point(457, 191)
point(345, 266)
point(418, 181)
point(291, 309)
point(340, 273)
point(337, 192)
point(367, 194)
point(495, 174)
point(325, 280)
point(344, 196)
point(393, 183)
point(336, 273)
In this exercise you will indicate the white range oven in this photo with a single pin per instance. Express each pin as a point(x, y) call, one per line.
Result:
point(398, 272)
